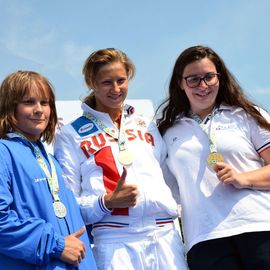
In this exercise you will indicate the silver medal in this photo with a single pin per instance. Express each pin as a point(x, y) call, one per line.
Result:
point(59, 209)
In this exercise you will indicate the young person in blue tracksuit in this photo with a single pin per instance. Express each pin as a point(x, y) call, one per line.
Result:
point(40, 222)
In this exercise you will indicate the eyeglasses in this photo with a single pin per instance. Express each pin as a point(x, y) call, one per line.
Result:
point(210, 79)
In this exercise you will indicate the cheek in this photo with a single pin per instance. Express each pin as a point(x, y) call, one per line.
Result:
point(216, 88)
point(47, 112)
point(19, 114)
point(125, 87)
point(182, 87)
point(126, 90)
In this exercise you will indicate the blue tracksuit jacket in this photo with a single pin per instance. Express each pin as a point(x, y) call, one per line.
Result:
point(31, 236)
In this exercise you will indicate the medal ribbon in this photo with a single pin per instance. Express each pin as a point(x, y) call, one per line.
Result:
point(51, 177)
point(211, 133)
point(121, 138)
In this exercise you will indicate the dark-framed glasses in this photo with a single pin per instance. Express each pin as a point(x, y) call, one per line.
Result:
point(210, 79)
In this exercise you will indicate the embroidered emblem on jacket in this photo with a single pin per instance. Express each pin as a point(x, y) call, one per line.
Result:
point(84, 126)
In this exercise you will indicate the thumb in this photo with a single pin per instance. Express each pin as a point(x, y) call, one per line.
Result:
point(79, 233)
point(122, 179)
point(219, 166)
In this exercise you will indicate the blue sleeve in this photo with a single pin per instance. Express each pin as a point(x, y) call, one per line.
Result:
point(30, 239)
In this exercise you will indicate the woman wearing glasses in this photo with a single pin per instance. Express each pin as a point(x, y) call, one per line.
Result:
point(219, 153)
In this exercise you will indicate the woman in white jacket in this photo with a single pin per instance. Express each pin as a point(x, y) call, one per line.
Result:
point(112, 161)
point(219, 152)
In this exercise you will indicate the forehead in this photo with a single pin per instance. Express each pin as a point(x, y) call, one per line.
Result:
point(37, 89)
point(112, 69)
point(199, 67)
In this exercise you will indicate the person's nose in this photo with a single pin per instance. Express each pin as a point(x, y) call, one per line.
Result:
point(203, 84)
point(38, 108)
point(116, 87)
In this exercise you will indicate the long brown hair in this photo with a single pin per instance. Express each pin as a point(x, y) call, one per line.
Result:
point(230, 91)
point(13, 88)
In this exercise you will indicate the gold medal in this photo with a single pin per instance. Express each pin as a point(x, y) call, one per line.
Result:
point(125, 157)
point(213, 158)
point(59, 209)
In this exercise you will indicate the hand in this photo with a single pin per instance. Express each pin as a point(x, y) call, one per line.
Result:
point(228, 176)
point(74, 250)
point(124, 195)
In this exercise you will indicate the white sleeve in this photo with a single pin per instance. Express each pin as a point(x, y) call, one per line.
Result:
point(66, 153)
point(161, 149)
point(260, 136)
point(171, 182)
point(91, 202)
point(169, 178)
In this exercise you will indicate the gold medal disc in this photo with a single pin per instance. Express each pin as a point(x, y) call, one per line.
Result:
point(125, 157)
point(59, 209)
point(213, 158)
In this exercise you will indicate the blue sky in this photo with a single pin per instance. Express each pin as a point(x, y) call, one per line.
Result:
point(55, 37)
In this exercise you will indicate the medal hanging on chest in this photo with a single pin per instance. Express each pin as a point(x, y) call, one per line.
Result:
point(59, 208)
point(125, 156)
point(214, 157)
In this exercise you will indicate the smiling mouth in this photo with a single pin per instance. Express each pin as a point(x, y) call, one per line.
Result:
point(38, 120)
point(206, 93)
point(115, 97)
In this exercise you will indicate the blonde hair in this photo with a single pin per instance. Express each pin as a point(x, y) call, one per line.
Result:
point(13, 88)
point(100, 58)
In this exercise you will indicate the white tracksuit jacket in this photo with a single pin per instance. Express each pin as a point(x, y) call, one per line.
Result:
point(141, 237)
point(89, 159)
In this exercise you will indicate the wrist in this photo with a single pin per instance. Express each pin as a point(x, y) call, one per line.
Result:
point(102, 205)
point(107, 202)
point(248, 183)
point(59, 246)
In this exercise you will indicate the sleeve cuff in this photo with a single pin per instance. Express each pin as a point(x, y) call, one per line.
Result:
point(93, 209)
point(102, 204)
point(60, 245)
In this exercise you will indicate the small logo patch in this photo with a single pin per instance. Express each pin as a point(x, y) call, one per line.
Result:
point(37, 180)
point(230, 126)
point(84, 126)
